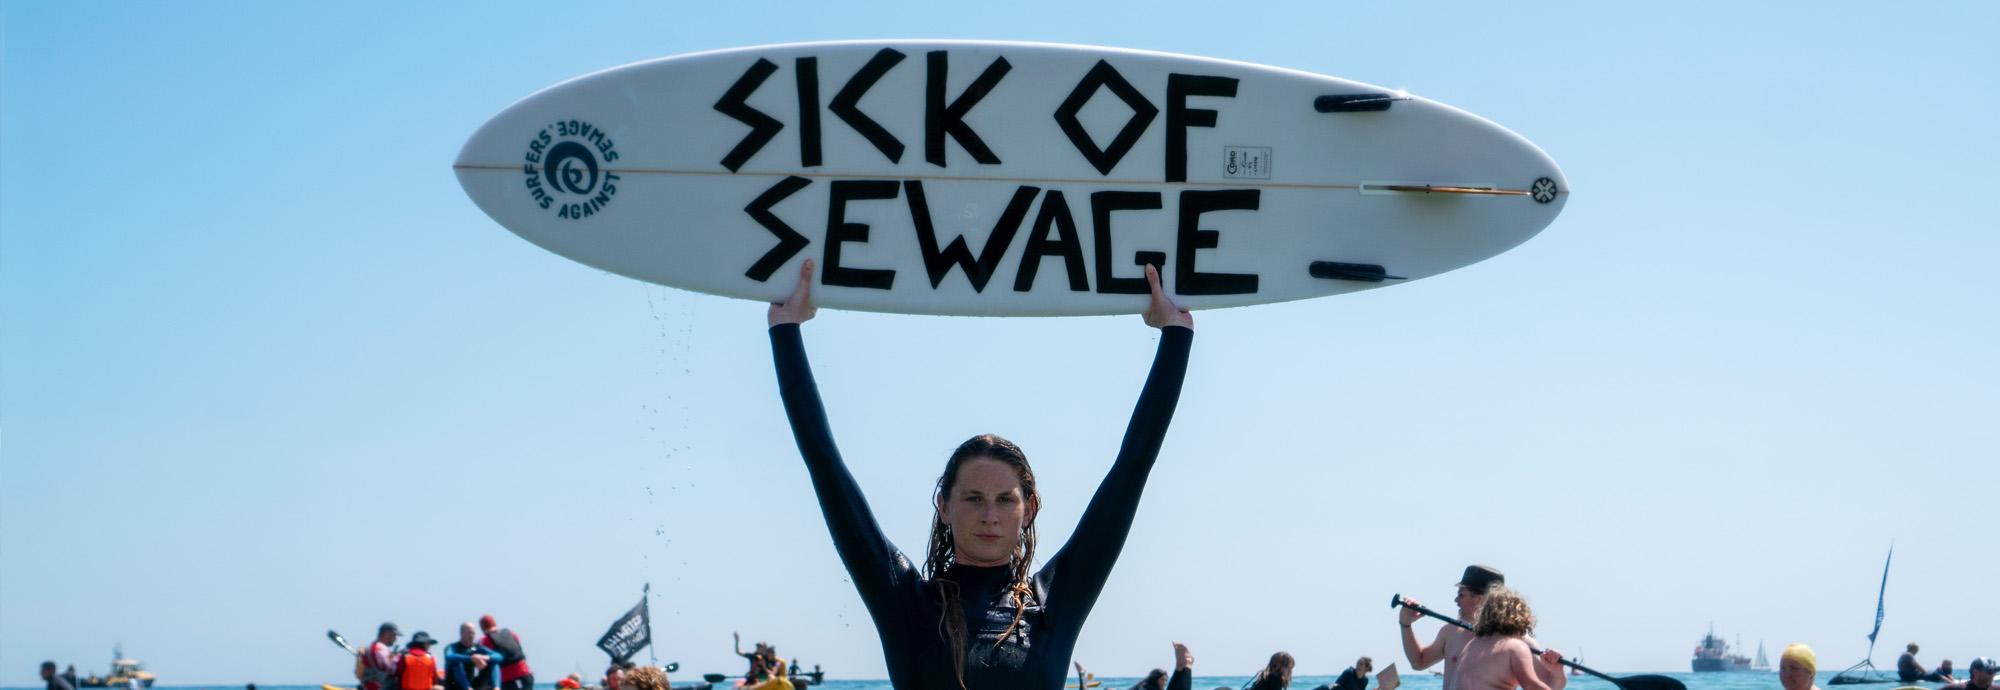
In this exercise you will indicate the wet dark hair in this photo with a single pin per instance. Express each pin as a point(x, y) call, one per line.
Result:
point(1157, 680)
point(937, 564)
point(1277, 673)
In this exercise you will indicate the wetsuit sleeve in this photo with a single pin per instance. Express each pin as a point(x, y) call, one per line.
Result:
point(1077, 573)
point(874, 563)
point(1183, 680)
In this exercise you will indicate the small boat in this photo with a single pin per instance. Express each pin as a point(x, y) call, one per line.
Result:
point(124, 672)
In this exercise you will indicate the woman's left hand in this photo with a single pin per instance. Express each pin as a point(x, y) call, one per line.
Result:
point(795, 309)
point(1163, 312)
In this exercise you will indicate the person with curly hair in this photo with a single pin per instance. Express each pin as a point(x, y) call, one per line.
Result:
point(645, 678)
point(1499, 656)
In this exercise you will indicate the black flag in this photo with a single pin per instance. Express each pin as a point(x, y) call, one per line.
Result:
point(632, 632)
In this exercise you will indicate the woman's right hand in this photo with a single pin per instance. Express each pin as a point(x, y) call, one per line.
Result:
point(798, 308)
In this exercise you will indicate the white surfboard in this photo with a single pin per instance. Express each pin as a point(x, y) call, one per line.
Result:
point(988, 178)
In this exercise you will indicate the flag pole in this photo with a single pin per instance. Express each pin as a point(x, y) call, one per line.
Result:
point(650, 647)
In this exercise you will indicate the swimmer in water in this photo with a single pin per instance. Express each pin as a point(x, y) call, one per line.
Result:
point(1277, 674)
point(1796, 668)
point(973, 615)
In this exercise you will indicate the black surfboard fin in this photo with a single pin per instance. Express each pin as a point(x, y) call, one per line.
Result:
point(1366, 273)
point(1356, 102)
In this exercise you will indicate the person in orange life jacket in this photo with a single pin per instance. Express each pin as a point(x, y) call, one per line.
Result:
point(417, 669)
point(514, 671)
point(378, 661)
point(467, 665)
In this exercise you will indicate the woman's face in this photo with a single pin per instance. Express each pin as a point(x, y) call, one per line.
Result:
point(1794, 676)
point(986, 512)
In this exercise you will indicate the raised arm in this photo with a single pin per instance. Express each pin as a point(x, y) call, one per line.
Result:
point(870, 559)
point(1085, 562)
point(1183, 669)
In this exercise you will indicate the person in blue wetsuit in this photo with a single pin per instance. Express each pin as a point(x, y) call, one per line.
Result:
point(974, 617)
point(469, 666)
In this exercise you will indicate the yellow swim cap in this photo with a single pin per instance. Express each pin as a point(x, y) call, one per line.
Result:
point(1804, 655)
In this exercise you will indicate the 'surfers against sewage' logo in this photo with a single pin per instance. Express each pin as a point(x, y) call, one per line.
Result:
point(564, 169)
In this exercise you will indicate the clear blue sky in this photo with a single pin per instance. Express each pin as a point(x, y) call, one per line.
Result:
point(265, 370)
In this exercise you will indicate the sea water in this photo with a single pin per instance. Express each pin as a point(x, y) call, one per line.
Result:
point(1741, 680)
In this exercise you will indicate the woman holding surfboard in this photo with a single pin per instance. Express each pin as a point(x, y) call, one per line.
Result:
point(974, 617)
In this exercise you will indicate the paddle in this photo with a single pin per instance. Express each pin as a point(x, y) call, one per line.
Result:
point(331, 635)
point(1648, 682)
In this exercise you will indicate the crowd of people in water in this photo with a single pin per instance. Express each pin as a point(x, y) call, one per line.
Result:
point(971, 614)
point(768, 670)
point(1909, 670)
point(487, 657)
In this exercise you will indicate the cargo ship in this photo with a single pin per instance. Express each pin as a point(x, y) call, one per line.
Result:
point(1712, 655)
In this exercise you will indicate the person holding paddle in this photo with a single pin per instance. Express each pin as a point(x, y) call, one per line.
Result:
point(378, 662)
point(1451, 640)
point(1640, 682)
point(1499, 657)
point(974, 616)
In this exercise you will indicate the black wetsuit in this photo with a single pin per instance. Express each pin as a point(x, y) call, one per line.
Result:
point(1907, 668)
point(1348, 680)
point(907, 607)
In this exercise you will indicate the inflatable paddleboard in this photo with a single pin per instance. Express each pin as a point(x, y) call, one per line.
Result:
point(1003, 179)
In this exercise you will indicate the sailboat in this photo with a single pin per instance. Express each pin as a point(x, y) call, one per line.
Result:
point(1856, 674)
point(1761, 664)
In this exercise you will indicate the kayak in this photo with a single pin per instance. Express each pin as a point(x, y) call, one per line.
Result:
point(772, 684)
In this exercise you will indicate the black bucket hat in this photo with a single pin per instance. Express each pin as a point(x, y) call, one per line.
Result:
point(1479, 578)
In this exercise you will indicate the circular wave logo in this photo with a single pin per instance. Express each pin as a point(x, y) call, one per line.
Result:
point(563, 169)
